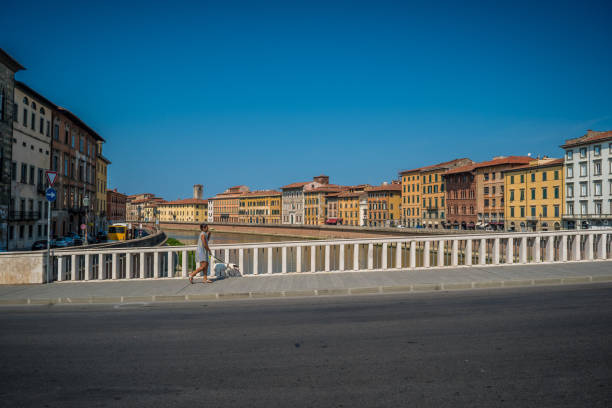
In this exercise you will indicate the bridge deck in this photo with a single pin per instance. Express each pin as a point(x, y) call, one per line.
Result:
point(308, 284)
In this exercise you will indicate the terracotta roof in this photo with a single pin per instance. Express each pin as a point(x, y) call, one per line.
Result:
point(434, 166)
point(186, 201)
point(388, 187)
point(262, 193)
point(495, 162)
point(591, 136)
point(296, 185)
point(350, 194)
point(548, 163)
point(327, 187)
point(505, 160)
point(462, 169)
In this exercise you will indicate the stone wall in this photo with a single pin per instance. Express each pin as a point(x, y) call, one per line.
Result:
point(22, 268)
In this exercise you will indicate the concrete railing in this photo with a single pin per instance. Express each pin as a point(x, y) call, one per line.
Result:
point(340, 255)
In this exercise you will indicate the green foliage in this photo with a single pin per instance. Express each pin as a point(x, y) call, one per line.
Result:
point(174, 242)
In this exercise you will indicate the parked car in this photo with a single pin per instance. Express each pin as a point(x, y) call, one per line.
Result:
point(76, 238)
point(63, 242)
point(38, 245)
point(101, 237)
point(91, 239)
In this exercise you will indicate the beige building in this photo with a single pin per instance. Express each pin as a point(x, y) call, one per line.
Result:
point(186, 210)
point(31, 158)
point(293, 200)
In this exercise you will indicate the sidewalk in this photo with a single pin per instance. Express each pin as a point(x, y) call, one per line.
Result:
point(307, 284)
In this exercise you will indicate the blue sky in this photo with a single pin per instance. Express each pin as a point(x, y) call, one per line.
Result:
point(269, 93)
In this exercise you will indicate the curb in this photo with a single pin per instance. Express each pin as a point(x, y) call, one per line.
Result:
point(417, 287)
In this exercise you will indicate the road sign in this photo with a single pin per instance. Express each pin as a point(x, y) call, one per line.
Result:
point(51, 194)
point(51, 176)
point(83, 226)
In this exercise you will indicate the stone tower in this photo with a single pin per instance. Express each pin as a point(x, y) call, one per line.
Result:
point(198, 191)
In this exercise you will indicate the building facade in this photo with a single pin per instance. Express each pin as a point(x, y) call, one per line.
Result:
point(115, 206)
point(490, 190)
point(316, 203)
point(461, 197)
point(102, 163)
point(8, 68)
point(293, 199)
point(411, 198)
point(260, 207)
point(227, 205)
point(74, 158)
point(433, 195)
point(588, 180)
point(384, 205)
point(31, 158)
point(186, 210)
point(534, 196)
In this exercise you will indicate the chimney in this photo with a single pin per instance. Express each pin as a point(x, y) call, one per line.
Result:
point(322, 179)
point(198, 191)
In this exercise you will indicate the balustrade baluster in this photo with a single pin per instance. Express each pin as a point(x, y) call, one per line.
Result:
point(468, 252)
point(284, 260)
point(341, 258)
point(510, 251)
point(384, 256)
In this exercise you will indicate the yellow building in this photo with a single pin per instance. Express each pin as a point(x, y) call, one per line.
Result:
point(433, 192)
point(384, 205)
point(423, 194)
point(187, 210)
point(411, 198)
point(315, 203)
point(260, 207)
point(102, 164)
point(226, 205)
point(348, 207)
point(534, 196)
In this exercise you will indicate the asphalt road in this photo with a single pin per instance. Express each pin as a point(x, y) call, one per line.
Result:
point(531, 347)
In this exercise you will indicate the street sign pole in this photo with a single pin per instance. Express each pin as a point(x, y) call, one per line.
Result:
point(51, 195)
point(49, 274)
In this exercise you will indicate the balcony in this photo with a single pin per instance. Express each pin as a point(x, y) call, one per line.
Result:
point(24, 216)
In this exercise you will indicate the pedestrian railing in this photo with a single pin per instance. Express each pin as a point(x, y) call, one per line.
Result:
point(339, 255)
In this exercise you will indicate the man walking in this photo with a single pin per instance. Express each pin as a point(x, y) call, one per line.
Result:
point(202, 254)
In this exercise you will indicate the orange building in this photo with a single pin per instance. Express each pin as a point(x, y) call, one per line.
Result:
point(315, 203)
point(226, 205)
point(260, 207)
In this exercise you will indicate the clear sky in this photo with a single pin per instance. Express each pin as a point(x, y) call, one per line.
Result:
point(269, 93)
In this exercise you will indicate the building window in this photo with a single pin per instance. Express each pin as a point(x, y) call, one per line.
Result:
point(583, 152)
point(511, 179)
point(24, 119)
point(570, 208)
point(32, 174)
point(598, 207)
point(533, 193)
point(569, 155)
point(570, 171)
point(597, 188)
point(544, 176)
point(544, 193)
point(522, 178)
point(24, 173)
point(42, 125)
point(14, 171)
point(556, 192)
point(511, 211)
point(532, 177)
point(583, 189)
point(33, 121)
point(583, 169)
point(556, 211)
point(522, 194)
point(511, 195)
point(532, 209)
point(556, 174)
point(522, 211)
point(583, 208)
point(544, 211)
point(597, 168)
point(597, 150)
point(570, 190)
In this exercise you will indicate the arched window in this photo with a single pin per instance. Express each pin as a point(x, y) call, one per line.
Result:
point(42, 110)
point(25, 100)
point(33, 105)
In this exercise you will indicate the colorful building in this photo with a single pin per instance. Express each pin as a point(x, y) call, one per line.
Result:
point(411, 198)
point(260, 207)
point(490, 187)
point(185, 210)
point(433, 195)
point(115, 206)
point(384, 205)
point(227, 205)
point(293, 203)
point(315, 203)
point(461, 197)
point(534, 196)
point(100, 207)
point(350, 205)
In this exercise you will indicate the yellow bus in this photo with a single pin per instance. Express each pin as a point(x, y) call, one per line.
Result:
point(117, 232)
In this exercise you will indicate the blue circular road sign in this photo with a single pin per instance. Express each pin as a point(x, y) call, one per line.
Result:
point(51, 194)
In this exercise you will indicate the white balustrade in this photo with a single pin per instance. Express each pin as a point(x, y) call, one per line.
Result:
point(151, 261)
